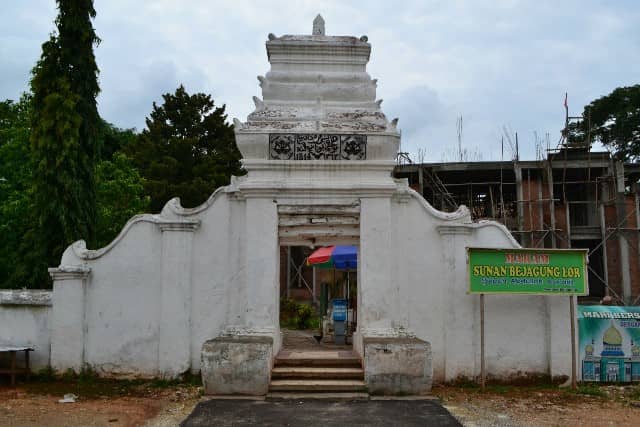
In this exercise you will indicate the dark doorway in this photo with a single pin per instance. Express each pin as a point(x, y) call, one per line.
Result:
point(596, 268)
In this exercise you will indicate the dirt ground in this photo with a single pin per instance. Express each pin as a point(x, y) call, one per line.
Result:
point(99, 403)
point(161, 404)
point(542, 405)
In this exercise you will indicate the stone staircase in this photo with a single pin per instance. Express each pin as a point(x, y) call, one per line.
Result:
point(317, 374)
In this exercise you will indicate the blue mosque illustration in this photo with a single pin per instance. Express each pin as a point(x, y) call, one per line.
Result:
point(611, 365)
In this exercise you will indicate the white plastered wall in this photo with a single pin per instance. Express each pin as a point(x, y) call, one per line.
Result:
point(524, 334)
point(152, 297)
point(142, 317)
point(24, 321)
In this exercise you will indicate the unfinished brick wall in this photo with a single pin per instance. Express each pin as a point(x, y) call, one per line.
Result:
point(534, 210)
point(561, 224)
point(633, 239)
point(613, 252)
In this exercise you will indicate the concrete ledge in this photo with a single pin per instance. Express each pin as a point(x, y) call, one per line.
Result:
point(237, 365)
point(37, 297)
point(233, 397)
point(419, 397)
point(397, 366)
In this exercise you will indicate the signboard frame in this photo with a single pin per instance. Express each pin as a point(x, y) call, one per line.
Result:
point(584, 272)
point(525, 261)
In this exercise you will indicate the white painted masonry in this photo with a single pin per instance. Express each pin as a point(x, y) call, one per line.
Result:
point(145, 304)
point(25, 318)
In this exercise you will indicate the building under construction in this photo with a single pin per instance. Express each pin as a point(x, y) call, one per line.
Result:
point(574, 199)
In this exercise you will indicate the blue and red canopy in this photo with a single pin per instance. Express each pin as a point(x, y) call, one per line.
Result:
point(338, 257)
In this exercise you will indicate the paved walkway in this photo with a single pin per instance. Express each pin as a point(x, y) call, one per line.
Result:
point(325, 412)
point(309, 413)
point(304, 340)
point(301, 345)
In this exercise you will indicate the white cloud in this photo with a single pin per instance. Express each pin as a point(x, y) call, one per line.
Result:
point(494, 63)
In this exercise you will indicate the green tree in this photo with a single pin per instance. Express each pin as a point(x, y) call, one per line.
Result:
point(614, 121)
point(187, 150)
point(119, 190)
point(64, 138)
point(114, 139)
point(14, 123)
point(120, 195)
point(15, 182)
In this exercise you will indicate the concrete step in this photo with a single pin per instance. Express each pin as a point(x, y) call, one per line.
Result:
point(318, 386)
point(292, 372)
point(343, 362)
point(317, 396)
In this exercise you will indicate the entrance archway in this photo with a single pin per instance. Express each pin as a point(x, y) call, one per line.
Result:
point(310, 359)
point(309, 293)
point(301, 229)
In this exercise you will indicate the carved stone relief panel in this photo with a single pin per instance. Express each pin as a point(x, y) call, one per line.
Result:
point(313, 146)
point(281, 147)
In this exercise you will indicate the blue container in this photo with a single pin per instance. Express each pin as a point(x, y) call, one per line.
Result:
point(339, 310)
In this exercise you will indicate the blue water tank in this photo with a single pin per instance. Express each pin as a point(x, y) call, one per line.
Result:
point(339, 310)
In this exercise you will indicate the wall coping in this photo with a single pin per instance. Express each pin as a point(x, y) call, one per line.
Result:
point(461, 214)
point(243, 339)
point(393, 340)
point(29, 297)
point(80, 250)
point(69, 272)
point(461, 229)
point(181, 225)
point(468, 228)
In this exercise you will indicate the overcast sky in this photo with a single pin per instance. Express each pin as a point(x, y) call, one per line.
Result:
point(495, 63)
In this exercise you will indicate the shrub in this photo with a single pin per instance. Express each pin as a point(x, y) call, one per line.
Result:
point(305, 313)
point(296, 315)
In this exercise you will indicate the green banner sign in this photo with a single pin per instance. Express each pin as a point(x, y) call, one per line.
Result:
point(528, 271)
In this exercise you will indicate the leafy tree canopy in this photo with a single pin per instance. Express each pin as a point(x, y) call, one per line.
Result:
point(14, 119)
point(187, 150)
point(120, 195)
point(615, 122)
point(119, 188)
point(14, 143)
point(114, 139)
point(15, 181)
point(65, 128)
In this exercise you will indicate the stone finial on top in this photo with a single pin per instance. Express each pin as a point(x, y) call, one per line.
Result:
point(318, 26)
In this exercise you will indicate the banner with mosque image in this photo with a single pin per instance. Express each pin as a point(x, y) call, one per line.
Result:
point(609, 343)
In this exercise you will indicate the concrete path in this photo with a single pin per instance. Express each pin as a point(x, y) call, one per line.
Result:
point(304, 340)
point(309, 413)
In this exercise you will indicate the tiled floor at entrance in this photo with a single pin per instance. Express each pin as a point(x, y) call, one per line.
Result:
point(304, 340)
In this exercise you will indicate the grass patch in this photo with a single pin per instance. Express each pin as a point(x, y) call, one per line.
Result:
point(87, 384)
point(192, 380)
point(634, 393)
point(515, 384)
point(543, 385)
point(590, 390)
point(163, 383)
point(465, 383)
point(185, 379)
point(86, 387)
point(499, 388)
point(44, 375)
